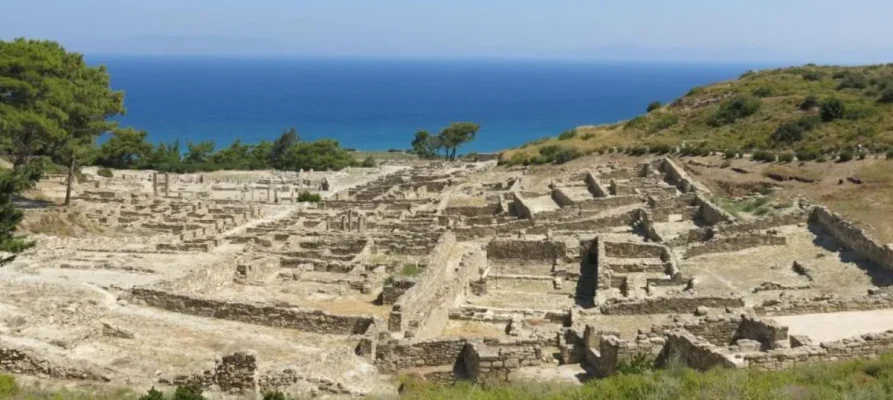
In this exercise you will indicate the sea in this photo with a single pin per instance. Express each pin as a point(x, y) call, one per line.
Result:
point(379, 104)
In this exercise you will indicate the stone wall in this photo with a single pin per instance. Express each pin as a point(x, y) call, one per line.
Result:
point(823, 304)
point(696, 352)
point(853, 237)
point(561, 198)
point(423, 310)
point(710, 213)
point(260, 314)
point(868, 346)
point(256, 271)
point(469, 211)
point(487, 364)
point(635, 250)
point(681, 304)
point(734, 243)
point(396, 355)
point(520, 207)
point(605, 353)
point(595, 187)
point(592, 225)
point(676, 176)
point(21, 361)
point(394, 289)
point(525, 250)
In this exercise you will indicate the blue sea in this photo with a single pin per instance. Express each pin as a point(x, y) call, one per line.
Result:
point(379, 104)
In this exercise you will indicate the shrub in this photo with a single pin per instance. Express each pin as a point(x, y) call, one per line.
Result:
point(736, 108)
point(188, 393)
point(809, 102)
point(890, 154)
point(661, 149)
point(763, 155)
point(587, 136)
point(275, 396)
point(793, 131)
point(566, 154)
point(8, 386)
point(664, 122)
point(152, 394)
point(369, 162)
point(807, 155)
point(410, 270)
point(811, 75)
point(309, 197)
point(832, 108)
point(729, 154)
point(853, 80)
point(886, 96)
point(638, 151)
point(567, 135)
point(654, 105)
point(635, 123)
point(762, 91)
point(845, 155)
point(105, 172)
point(786, 157)
point(747, 73)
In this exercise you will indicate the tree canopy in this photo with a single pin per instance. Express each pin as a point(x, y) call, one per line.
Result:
point(449, 140)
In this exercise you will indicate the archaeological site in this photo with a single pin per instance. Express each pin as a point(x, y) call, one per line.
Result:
point(446, 271)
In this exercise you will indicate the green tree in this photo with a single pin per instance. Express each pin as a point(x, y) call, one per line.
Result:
point(457, 134)
point(165, 156)
point(886, 96)
point(260, 154)
point(738, 107)
point(127, 148)
point(425, 145)
point(199, 153)
point(318, 155)
point(654, 105)
point(12, 183)
point(236, 156)
point(281, 146)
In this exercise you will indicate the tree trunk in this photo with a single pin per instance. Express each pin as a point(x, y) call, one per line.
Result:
point(69, 182)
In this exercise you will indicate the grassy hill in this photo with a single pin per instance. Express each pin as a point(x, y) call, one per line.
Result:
point(814, 110)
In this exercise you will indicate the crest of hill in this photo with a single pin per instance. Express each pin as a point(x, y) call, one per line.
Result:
point(809, 110)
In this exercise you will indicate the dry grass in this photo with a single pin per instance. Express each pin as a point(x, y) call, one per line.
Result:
point(59, 223)
point(870, 204)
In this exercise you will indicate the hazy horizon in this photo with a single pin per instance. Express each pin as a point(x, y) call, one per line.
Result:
point(793, 32)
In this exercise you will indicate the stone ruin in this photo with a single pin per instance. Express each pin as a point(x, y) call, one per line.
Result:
point(448, 271)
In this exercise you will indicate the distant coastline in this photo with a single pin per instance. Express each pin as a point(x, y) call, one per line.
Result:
point(377, 104)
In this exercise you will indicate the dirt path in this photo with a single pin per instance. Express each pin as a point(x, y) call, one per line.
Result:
point(836, 326)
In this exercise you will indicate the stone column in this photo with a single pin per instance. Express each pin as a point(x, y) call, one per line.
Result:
point(155, 184)
point(361, 224)
point(270, 192)
point(167, 184)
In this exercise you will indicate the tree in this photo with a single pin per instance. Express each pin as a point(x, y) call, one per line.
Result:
point(886, 96)
point(322, 154)
point(281, 146)
point(424, 145)
point(165, 157)
point(54, 103)
point(127, 148)
point(12, 183)
point(654, 105)
point(731, 110)
point(236, 156)
point(831, 109)
point(457, 134)
point(199, 153)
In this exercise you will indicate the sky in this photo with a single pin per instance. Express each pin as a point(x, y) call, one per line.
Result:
point(824, 31)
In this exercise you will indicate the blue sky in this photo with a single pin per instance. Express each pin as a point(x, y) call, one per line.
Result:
point(721, 30)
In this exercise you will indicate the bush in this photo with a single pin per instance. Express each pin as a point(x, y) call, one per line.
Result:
point(886, 96)
point(654, 105)
point(786, 157)
point(790, 132)
point(762, 91)
point(309, 197)
point(566, 154)
point(638, 151)
point(832, 108)
point(188, 393)
point(736, 108)
point(853, 80)
point(567, 135)
point(275, 396)
point(807, 155)
point(105, 172)
point(809, 102)
point(845, 155)
point(664, 122)
point(8, 386)
point(812, 75)
point(890, 154)
point(763, 155)
point(729, 154)
point(152, 394)
point(369, 162)
point(661, 149)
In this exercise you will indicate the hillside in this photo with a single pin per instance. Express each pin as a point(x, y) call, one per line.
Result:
point(813, 110)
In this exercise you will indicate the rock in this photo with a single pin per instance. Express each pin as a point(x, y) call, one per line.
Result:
point(111, 331)
point(701, 311)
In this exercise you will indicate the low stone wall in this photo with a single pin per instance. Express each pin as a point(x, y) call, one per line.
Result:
point(635, 250)
point(396, 355)
point(868, 346)
point(525, 250)
point(595, 187)
point(726, 330)
point(520, 207)
point(394, 289)
point(605, 353)
point(21, 361)
point(696, 352)
point(825, 304)
point(256, 271)
point(505, 315)
point(711, 213)
point(484, 363)
point(469, 211)
point(667, 305)
point(592, 225)
point(561, 198)
point(260, 314)
point(677, 176)
point(853, 237)
point(735, 243)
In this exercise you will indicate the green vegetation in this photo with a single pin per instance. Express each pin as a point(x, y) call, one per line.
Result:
point(654, 105)
point(810, 110)
point(838, 381)
point(429, 146)
point(568, 135)
point(756, 205)
point(309, 197)
point(12, 183)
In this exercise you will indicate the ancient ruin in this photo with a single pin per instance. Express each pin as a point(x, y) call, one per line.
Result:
point(447, 271)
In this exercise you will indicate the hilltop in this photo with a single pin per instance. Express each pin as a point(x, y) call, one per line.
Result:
point(812, 110)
